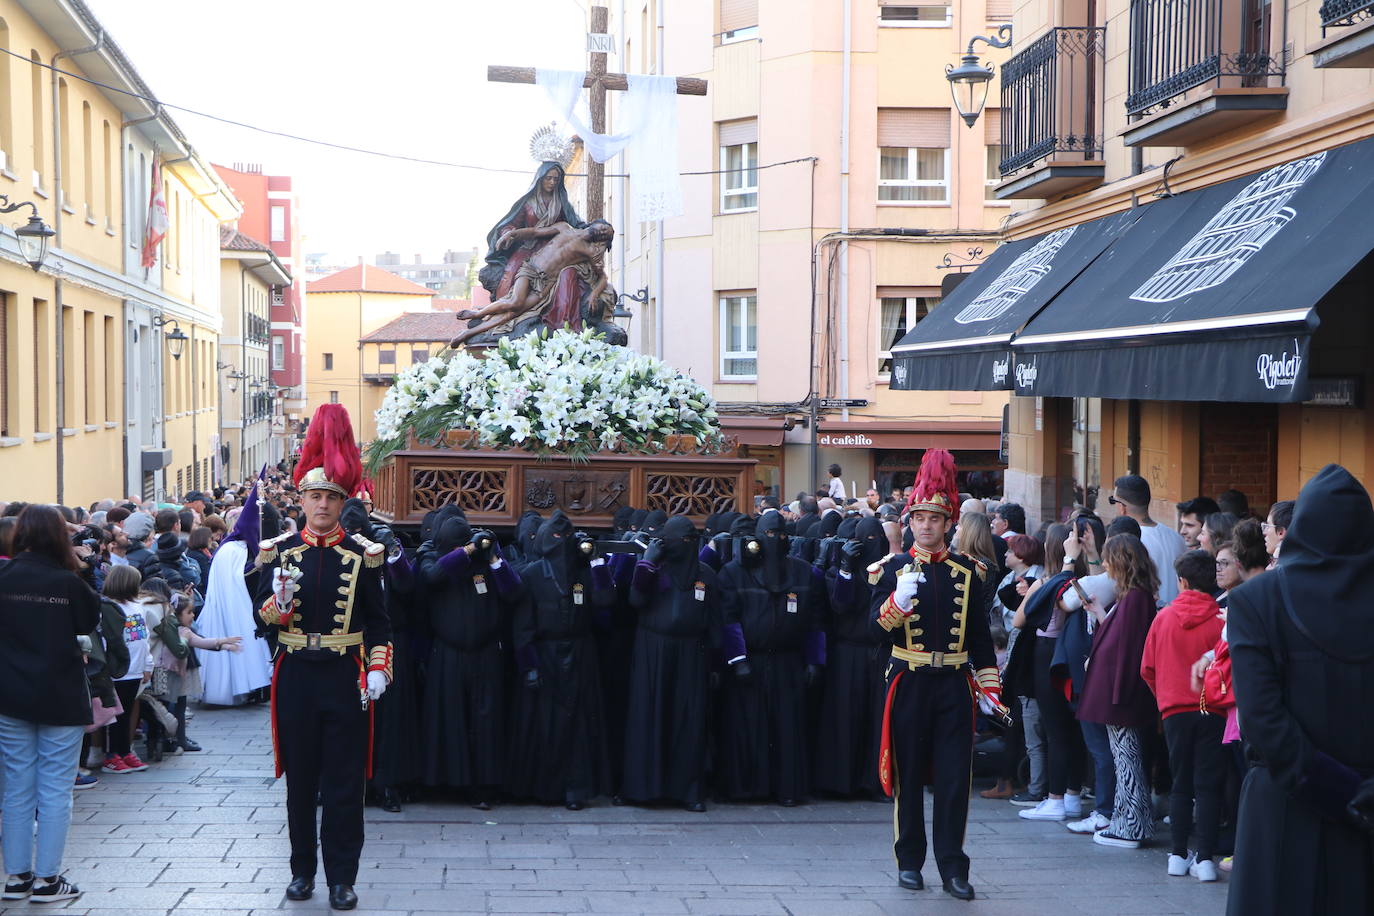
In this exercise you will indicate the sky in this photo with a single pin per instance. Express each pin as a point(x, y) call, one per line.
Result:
point(404, 76)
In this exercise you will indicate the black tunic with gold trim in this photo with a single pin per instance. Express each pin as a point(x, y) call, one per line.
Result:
point(335, 631)
point(936, 653)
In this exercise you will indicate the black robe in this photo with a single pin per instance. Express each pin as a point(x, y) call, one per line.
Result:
point(465, 713)
point(1302, 648)
point(666, 725)
point(849, 732)
point(396, 728)
point(763, 742)
point(614, 644)
point(558, 748)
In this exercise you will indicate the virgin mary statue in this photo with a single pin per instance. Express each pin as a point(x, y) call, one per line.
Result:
point(545, 203)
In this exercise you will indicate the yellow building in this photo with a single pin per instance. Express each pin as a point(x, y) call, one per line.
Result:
point(412, 338)
point(341, 310)
point(1183, 292)
point(65, 408)
point(250, 275)
point(833, 191)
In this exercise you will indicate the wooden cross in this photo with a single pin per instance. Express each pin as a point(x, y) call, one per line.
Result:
point(598, 81)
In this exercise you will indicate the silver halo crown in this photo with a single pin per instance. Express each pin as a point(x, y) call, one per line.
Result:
point(548, 144)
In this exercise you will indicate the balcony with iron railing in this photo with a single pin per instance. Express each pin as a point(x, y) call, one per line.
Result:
point(1051, 111)
point(1347, 34)
point(1199, 68)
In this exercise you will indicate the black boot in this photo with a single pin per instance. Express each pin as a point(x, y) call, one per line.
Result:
point(300, 889)
point(341, 897)
point(959, 888)
point(391, 800)
point(911, 880)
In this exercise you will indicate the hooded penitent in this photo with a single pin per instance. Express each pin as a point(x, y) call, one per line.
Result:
point(525, 530)
point(680, 547)
point(771, 531)
point(454, 532)
point(555, 548)
point(620, 524)
point(936, 489)
point(653, 522)
point(871, 535)
point(637, 519)
point(354, 517)
point(330, 459)
point(1328, 563)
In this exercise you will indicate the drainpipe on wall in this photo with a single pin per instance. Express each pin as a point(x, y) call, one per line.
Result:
point(57, 280)
point(658, 258)
point(844, 207)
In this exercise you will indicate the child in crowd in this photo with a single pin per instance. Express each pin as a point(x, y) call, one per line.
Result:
point(1181, 633)
point(178, 658)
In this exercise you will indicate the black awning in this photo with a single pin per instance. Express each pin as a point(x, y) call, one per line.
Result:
point(964, 344)
point(1212, 294)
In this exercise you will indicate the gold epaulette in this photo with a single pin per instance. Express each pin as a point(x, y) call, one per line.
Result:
point(982, 568)
point(875, 570)
point(374, 554)
point(267, 550)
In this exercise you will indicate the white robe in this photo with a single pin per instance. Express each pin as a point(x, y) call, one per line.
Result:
point(230, 676)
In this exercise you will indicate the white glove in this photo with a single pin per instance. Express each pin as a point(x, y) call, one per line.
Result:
point(284, 586)
point(376, 685)
point(905, 595)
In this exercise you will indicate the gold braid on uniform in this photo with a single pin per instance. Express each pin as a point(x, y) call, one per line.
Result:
point(891, 616)
point(379, 659)
point(989, 679)
point(273, 616)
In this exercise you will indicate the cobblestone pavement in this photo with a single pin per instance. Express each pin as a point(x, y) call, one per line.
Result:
point(206, 833)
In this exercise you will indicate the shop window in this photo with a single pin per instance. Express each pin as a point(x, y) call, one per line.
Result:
point(899, 314)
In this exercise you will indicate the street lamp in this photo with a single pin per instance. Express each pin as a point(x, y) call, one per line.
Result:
point(969, 81)
point(33, 236)
point(234, 380)
point(622, 310)
point(176, 338)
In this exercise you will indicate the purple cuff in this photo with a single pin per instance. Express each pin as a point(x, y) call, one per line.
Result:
point(400, 573)
point(732, 641)
point(455, 563)
point(505, 580)
point(622, 568)
point(815, 647)
point(1328, 785)
point(601, 579)
point(645, 578)
point(710, 558)
point(527, 658)
point(842, 591)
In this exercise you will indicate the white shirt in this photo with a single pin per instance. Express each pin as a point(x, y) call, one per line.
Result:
point(1165, 545)
point(836, 488)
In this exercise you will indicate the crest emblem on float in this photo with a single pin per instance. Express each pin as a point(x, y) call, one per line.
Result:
point(1237, 233)
point(1017, 279)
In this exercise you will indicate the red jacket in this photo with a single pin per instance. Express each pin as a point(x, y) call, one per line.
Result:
point(1179, 636)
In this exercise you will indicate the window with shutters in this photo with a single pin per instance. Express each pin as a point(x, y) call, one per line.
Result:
point(929, 15)
point(386, 357)
point(913, 155)
point(739, 20)
point(739, 337)
point(999, 10)
point(278, 354)
point(329, 362)
point(898, 314)
point(739, 165)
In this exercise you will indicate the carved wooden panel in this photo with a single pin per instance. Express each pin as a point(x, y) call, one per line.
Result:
point(690, 494)
point(385, 484)
point(471, 489)
point(576, 490)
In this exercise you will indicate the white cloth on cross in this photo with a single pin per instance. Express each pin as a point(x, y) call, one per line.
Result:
point(649, 137)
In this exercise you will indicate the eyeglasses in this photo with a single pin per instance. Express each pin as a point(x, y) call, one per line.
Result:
point(1113, 500)
point(1265, 526)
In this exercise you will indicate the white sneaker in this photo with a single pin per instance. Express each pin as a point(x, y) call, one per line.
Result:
point(1090, 824)
point(1107, 838)
point(1073, 805)
point(1206, 870)
point(1051, 809)
point(1178, 866)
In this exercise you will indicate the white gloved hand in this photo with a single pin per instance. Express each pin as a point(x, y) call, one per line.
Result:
point(376, 685)
point(905, 595)
point(284, 585)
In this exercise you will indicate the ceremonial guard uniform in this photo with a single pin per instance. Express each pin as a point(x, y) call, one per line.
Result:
point(322, 594)
point(925, 607)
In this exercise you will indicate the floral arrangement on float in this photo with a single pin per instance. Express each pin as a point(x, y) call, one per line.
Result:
point(561, 394)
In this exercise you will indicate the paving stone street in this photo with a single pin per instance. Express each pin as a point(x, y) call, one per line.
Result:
point(206, 833)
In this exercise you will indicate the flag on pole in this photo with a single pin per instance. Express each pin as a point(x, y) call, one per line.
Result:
point(156, 226)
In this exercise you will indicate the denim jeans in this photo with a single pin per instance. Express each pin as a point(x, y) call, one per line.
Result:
point(40, 767)
point(1035, 745)
point(1104, 770)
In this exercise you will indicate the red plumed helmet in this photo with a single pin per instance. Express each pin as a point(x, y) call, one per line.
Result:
point(330, 459)
point(936, 488)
